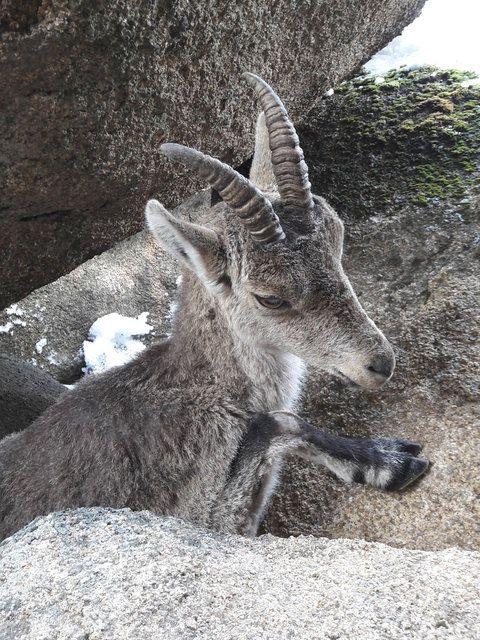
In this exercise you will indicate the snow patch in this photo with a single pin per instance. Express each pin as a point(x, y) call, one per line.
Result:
point(172, 310)
point(111, 341)
point(471, 82)
point(329, 92)
point(14, 309)
point(52, 358)
point(5, 328)
point(40, 345)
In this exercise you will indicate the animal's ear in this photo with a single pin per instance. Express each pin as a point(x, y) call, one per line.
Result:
point(261, 172)
point(198, 248)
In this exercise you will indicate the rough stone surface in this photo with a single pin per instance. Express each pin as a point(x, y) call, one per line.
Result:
point(103, 574)
point(25, 393)
point(91, 90)
point(412, 138)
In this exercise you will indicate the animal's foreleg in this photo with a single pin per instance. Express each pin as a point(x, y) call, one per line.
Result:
point(386, 464)
point(253, 476)
point(382, 463)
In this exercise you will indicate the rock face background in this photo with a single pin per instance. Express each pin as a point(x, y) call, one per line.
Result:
point(105, 574)
point(91, 90)
point(26, 391)
point(413, 256)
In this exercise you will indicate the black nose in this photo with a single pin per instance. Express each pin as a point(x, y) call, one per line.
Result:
point(382, 365)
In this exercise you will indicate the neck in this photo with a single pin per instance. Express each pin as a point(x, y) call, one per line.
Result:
point(261, 378)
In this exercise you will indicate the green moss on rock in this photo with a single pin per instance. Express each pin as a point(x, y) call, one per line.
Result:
point(415, 137)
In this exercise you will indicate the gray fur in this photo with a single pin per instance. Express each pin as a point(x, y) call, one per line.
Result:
point(184, 429)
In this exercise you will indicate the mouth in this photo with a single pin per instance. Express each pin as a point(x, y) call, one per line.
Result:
point(345, 379)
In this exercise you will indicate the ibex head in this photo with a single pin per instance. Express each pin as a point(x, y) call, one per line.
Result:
point(272, 255)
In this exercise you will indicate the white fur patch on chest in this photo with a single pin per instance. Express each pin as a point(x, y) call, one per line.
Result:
point(294, 370)
point(277, 379)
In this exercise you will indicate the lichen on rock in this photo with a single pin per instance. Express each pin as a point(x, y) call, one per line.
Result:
point(414, 138)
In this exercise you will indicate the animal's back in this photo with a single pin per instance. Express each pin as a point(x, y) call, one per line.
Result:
point(134, 437)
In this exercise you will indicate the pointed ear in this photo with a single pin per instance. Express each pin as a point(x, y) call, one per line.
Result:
point(261, 172)
point(196, 247)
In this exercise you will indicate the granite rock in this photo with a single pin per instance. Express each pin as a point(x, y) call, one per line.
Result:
point(102, 574)
point(91, 89)
point(25, 393)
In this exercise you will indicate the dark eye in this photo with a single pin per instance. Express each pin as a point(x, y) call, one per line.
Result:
point(272, 302)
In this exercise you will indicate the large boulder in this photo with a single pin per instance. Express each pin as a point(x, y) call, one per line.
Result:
point(408, 138)
point(91, 89)
point(103, 574)
point(25, 392)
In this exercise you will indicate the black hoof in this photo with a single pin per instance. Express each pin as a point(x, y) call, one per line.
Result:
point(397, 444)
point(409, 471)
point(409, 447)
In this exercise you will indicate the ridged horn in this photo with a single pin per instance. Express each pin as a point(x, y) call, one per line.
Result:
point(288, 163)
point(252, 207)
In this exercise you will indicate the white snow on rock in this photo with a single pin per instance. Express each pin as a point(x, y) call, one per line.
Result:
point(5, 328)
point(14, 309)
point(445, 35)
point(470, 83)
point(172, 310)
point(40, 345)
point(112, 341)
point(52, 358)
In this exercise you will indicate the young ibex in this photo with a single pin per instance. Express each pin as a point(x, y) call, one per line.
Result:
point(197, 426)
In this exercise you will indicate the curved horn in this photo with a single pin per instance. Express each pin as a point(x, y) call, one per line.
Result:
point(288, 163)
point(252, 207)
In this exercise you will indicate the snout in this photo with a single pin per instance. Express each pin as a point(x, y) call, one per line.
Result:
point(377, 367)
point(368, 369)
point(381, 366)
